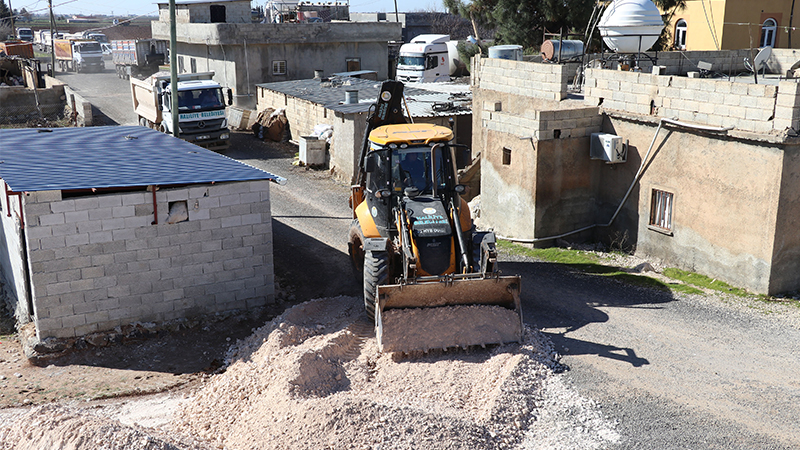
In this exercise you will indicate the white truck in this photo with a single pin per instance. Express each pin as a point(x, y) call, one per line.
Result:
point(25, 34)
point(429, 58)
point(201, 107)
point(79, 55)
point(44, 40)
point(137, 57)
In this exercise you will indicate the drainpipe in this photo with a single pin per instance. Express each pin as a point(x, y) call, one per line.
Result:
point(633, 183)
point(791, 16)
point(24, 248)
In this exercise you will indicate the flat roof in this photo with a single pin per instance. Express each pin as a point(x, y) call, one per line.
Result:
point(330, 93)
point(44, 159)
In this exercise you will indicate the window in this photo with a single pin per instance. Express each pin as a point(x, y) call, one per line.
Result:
point(506, 156)
point(279, 67)
point(768, 33)
point(181, 67)
point(680, 35)
point(193, 64)
point(431, 62)
point(217, 13)
point(661, 210)
point(353, 64)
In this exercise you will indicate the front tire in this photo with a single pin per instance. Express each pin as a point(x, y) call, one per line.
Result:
point(376, 269)
point(355, 246)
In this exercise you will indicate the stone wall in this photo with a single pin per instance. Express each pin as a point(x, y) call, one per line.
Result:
point(303, 115)
point(527, 79)
point(707, 101)
point(98, 261)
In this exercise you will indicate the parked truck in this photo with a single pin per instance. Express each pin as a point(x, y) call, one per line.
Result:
point(138, 57)
point(19, 48)
point(429, 58)
point(25, 34)
point(79, 55)
point(201, 107)
point(44, 40)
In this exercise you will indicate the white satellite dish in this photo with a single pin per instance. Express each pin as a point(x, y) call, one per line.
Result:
point(762, 57)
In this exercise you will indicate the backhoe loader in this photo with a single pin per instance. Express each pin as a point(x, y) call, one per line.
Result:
point(430, 279)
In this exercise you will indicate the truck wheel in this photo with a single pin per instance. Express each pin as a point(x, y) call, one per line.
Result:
point(142, 122)
point(355, 246)
point(376, 265)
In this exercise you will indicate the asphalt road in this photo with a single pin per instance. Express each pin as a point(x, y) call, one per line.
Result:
point(688, 372)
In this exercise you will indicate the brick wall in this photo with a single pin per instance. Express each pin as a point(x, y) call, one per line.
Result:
point(528, 79)
point(713, 102)
point(544, 124)
point(98, 261)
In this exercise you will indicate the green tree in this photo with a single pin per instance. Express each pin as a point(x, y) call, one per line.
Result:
point(5, 13)
point(669, 8)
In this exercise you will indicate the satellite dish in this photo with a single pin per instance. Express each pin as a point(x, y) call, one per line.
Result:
point(762, 57)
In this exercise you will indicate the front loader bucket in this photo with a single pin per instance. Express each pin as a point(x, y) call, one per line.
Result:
point(451, 312)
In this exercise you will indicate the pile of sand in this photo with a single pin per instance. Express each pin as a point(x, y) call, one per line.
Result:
point(313, 378)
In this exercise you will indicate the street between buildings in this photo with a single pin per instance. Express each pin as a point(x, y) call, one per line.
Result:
point(672, 371)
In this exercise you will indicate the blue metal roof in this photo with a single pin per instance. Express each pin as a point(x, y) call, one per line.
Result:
point(36, 159)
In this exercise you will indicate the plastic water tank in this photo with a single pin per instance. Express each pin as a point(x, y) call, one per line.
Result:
point(630, 26)
point(506, 52)
point(567, 49)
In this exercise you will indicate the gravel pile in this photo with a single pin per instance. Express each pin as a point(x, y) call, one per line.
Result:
point(313, 378)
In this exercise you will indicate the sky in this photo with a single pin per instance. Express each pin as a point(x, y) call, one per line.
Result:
point(148, 7)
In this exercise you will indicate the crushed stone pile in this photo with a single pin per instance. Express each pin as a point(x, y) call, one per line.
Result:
point(66, 428)
point(313, 378)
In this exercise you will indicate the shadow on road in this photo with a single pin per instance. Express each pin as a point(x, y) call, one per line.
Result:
point(558, 297)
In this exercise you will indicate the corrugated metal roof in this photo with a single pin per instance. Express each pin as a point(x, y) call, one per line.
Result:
point(34, 159)
point(331, 95)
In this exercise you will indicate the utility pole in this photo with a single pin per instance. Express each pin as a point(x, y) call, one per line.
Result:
point(11, 10)
point(173, 69)
point(52, 40)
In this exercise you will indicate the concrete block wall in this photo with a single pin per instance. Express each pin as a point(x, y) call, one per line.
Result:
point(19, 103)
point(99, 262)
point(235, 12)
point(546, 124)
point(728, 62)
point(528, 79)
point(713, 102)
point(303, 115)
point(82, 108)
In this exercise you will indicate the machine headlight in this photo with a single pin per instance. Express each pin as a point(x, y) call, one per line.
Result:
point(224, 136)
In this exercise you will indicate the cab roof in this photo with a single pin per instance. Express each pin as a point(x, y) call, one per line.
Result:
point(410, 133)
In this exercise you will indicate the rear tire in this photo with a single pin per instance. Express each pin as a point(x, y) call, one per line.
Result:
point(376, 268)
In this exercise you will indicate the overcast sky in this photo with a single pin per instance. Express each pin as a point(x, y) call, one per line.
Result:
point(146, 7)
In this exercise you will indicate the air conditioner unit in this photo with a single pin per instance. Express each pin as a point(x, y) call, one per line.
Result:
point(608, 147)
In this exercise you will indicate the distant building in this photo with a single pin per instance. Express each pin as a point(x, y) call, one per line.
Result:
point(734, 24)
point(219, 36)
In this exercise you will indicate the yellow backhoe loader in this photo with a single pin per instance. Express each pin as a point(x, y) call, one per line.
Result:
point(430, 279)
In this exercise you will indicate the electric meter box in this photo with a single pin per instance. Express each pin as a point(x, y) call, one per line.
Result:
point(608, 147)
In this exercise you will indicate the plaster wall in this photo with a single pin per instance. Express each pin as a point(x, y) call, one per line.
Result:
point(235, 12)
point(346, 151)
point(725, 202)
point(13, 266)
point(98, 261)
point(786, 250)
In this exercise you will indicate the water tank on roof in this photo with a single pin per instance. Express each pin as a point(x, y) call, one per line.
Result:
point(630, 26)
point(561, 50)
point(506, 52)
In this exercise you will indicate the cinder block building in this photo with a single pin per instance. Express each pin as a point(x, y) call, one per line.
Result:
point(705, 176)
point(108, 226)
point(217, 36)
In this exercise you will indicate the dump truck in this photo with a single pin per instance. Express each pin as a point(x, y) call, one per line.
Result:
point(79, 55)
point(201, 107)
point(429, 58)
point(43, 39)
point(138, 57)
point(19, 48)
point(430, 279)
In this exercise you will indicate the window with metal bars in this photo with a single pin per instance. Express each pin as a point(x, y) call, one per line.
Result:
point(279, 67)
point(661, 210)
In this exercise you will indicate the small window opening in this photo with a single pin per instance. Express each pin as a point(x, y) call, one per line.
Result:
point(193, 64)
point(661, 210)
point(556, 134)
point(506, 156)
point(178, 212)
point(279, 67)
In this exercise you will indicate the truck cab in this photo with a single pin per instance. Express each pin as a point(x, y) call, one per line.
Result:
point(424, 59)
point(25, 34)
point(201, 113)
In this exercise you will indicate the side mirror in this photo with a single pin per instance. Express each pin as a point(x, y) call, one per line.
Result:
point(230, 97)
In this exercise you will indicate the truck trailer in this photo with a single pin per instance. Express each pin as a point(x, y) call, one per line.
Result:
point(138, 57)
point(79, 55)
point(201, 107)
